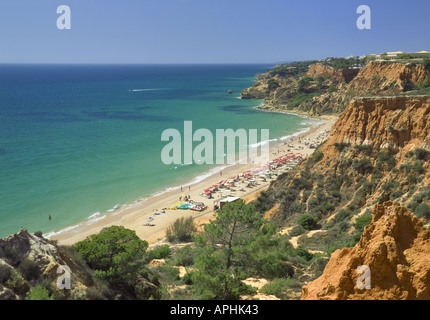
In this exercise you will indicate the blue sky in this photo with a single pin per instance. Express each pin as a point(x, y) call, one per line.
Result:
point(207, 31)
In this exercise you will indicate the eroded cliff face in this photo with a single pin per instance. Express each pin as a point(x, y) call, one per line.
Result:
point(387, 77)
point(26, 259)
point(332, 89)
point(377, 151)
point(396, 123)
point(339, 76)
point(381, 144)
point(396, 249)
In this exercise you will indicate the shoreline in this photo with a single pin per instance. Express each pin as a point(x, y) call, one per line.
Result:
point(265, 107)
point(135, 215)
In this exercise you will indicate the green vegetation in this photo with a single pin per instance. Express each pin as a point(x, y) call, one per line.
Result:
point(38, 293)
point(293, 69)
point(272, 84)
point(278, 287)
point(426, 63)
point(116, 254)
point(420, 204)
point(363, 221)
point(404, 56)
point(303, 82)
point(408, 85)
point(300, 98)
point(363, 148)
point(317, 156)
point(363, 165)
point(343, 63)
point(422, 154)
point(385, 161)
point(182, 230)
point(160, 252)
point(224, 249)
point(307, 221)
point(341, 146)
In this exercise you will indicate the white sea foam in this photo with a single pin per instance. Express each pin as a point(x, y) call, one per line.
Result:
point(93, 215)
point(295, 134)
point(261, 143)
point(149, 89)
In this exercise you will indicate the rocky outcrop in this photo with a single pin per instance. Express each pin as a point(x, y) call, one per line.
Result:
point(332, 89)
point(396, 249)
point(386, 122)
point(337, 75)
point(26, 258)
point(387, 77)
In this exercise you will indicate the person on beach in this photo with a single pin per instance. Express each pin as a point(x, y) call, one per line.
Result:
point(49, 217)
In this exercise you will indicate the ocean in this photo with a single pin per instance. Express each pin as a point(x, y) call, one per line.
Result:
point(80, 141)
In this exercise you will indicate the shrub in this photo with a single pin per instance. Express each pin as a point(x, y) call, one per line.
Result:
point(275, 268)
point(182, 230)
point(317, 156)
point(187, 279)
point(38, 293)
point(418, 166)
point(278, 286)
point(297, 230)
point(363, 148)
point(423, 211)
point(167, 273)
point(115, 253)
point(319, 265)
point(422, 154)
point(303, 253)
point(160, 252)
point(362, 165)
point(412, 179)
point(184, 256)
point(307, 221)
point(16, 282)
point(29, 269)
point(407, 85)
point(38, 234)
point(385, 158)
point(342, 215)
point(272, 83)
point(396, 194)
point(426, 63)
point(362, 221)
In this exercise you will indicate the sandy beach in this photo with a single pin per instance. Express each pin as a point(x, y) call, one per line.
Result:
point(137, 217)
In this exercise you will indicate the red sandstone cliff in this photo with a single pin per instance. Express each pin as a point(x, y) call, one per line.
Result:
point(395, 247)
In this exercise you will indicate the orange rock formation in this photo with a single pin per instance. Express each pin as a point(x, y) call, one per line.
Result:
point(395, 247)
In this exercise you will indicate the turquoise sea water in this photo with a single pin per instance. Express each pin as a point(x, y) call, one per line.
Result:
point(78, 141)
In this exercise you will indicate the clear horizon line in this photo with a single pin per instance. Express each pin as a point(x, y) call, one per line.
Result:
point(142, 63)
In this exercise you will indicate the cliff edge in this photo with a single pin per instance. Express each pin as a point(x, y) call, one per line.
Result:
point(396, 249)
